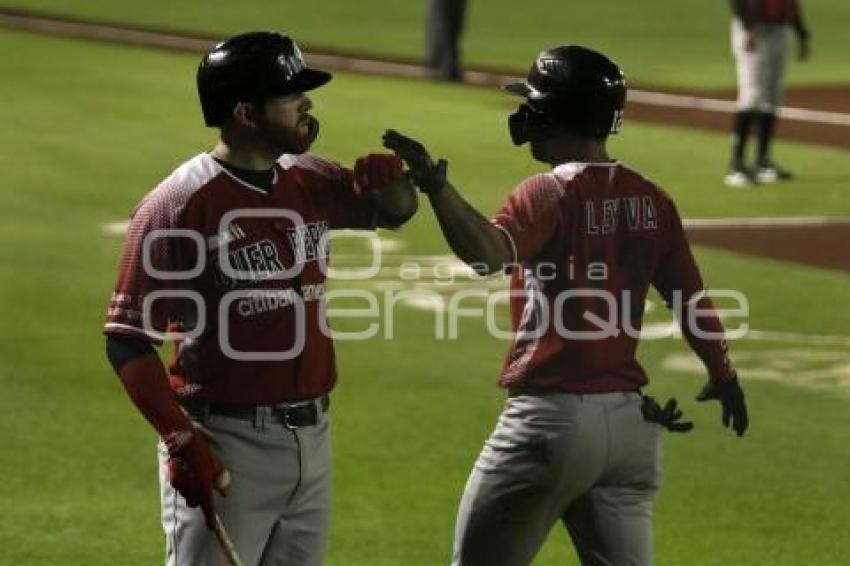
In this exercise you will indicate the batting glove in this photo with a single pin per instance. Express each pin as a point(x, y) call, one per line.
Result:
point(731, 398)
point(668, 417)
point(377, 170)
point(194, 471)
point(430, 177)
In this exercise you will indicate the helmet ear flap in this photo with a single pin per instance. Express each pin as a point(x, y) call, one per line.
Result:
point(518, 127)
point(527, 124)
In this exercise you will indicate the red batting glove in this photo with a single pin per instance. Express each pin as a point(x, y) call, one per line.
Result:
point(377, 170)
point(194, 471)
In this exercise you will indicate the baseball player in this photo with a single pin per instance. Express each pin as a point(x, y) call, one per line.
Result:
point(444, 28)
point(226, 256)
point(576, 441)
point(759, 44)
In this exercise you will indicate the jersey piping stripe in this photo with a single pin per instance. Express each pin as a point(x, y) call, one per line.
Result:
point(566, 172)
point(519, 365)
point(134, 330)
point(514, 256)
point(194, 173)
point(305, 161)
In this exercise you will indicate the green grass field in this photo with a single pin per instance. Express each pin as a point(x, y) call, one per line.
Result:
point(84, 138)
point(657, 42)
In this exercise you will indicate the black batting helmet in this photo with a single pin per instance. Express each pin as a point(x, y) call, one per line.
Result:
point(569, 87)
point(252, 66)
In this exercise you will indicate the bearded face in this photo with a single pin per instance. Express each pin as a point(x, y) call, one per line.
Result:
point(284, 124)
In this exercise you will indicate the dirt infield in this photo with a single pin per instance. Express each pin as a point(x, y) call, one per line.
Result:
point(820, 242)
point(817, 115)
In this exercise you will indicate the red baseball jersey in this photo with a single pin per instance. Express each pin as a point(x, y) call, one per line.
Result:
point(775, 11)
point(589, 240)
point(242, 271)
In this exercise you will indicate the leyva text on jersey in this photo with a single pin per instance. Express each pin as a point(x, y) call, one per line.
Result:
point(607, 216)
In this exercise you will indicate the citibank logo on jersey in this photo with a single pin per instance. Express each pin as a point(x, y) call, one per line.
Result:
point(577, 312)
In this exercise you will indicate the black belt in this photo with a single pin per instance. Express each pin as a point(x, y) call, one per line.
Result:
point(291, 415)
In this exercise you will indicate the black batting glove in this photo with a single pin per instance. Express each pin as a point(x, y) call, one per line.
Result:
point(430, 177)
point(668, 417)
point(731, 398)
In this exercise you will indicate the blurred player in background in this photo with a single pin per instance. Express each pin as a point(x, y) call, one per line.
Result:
point(444, 28)
point(576, 441)
point(228, 254)
point(760, 31)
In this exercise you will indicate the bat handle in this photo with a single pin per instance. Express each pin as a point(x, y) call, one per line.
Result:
point(226, 543)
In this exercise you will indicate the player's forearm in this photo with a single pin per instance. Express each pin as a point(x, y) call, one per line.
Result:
point(799, 24)
point(146, 382)
point(396, 204)
point(704, 333)
point(470, 235)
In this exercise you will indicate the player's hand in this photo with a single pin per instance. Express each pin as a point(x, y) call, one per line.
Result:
point(668, 417)
point(731, 398)
point(430, 177)
point(382, 177)
point(195, 472)
point(377, 170)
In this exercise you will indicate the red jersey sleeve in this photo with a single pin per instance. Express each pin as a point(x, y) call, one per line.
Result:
point(531, 215)
point(135, 308)
point(679, 282)
point(345, 208)
point(777, 11)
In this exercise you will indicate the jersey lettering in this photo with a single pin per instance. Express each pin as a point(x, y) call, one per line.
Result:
point(233, 233)
point(633, 212)
point(277, 309)
point(592, 228)
point(650, 217)
point(308, 242)
point(255, 262)
point(609, 215)
point(640, 214)
point(617, 122)
point(614, 234)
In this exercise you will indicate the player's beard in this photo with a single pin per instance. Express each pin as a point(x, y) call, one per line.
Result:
point(286, 139)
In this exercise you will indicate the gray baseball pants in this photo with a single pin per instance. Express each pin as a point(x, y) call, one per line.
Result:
point(761, 71)
point(445, 24)
point(589, 461)
point(278, 504)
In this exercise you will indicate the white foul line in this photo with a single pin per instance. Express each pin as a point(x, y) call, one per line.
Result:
point(798, 338)
point(764, 222)
point(729, 107)
point(119, 228)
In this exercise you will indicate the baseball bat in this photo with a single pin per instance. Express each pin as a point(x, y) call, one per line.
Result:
point(226, 544)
